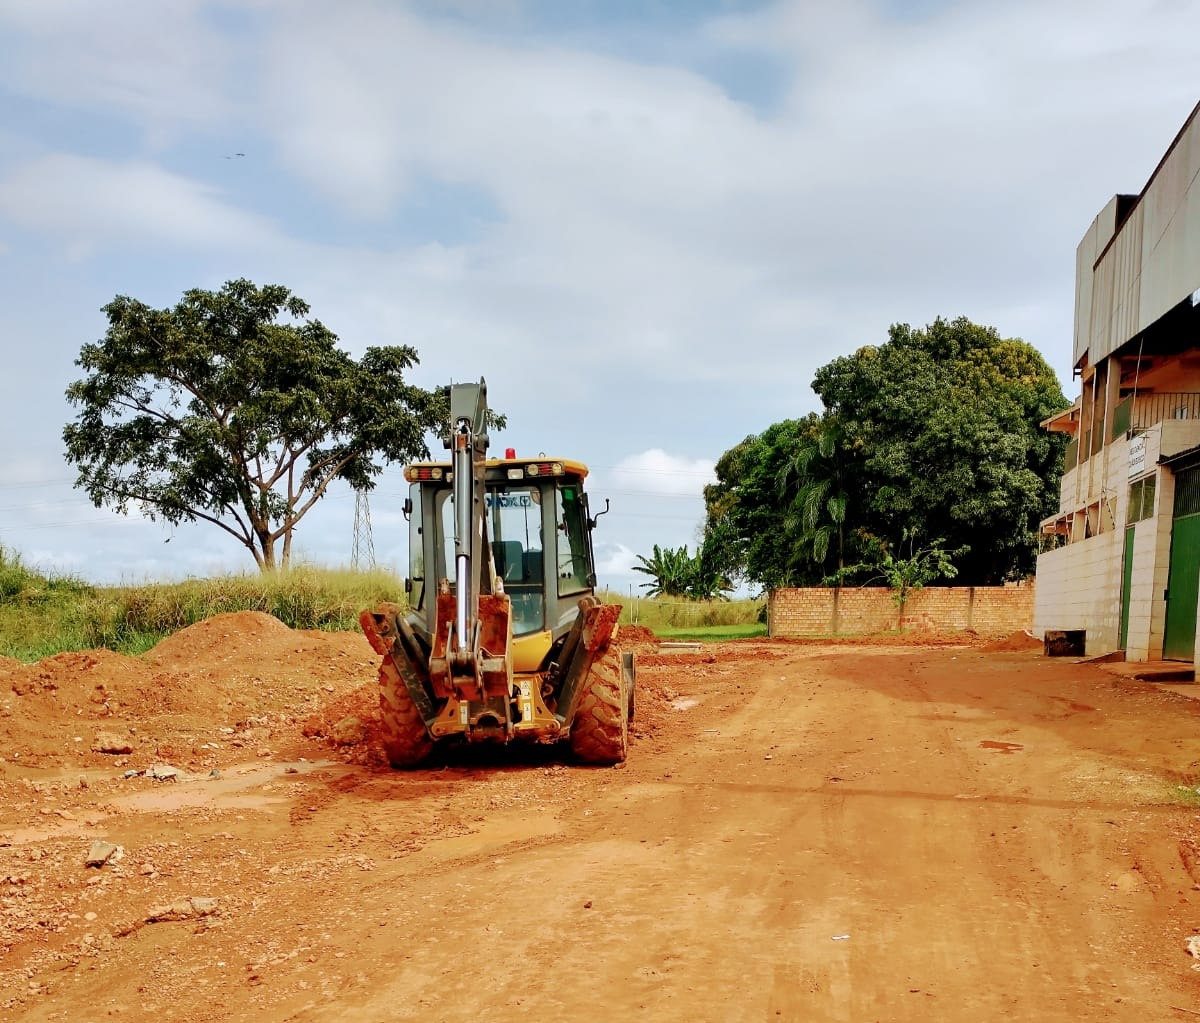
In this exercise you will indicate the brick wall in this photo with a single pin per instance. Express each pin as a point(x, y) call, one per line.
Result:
point(988, 610)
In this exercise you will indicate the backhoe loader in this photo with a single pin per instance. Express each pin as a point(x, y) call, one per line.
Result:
point(505, 639)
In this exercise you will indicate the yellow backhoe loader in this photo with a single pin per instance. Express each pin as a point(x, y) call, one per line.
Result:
point(505, 640)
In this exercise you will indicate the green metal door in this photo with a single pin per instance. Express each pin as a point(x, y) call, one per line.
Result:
point(1183, 578)
point(1126, 585)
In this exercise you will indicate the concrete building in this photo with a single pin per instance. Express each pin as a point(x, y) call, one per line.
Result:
point(1125, 568)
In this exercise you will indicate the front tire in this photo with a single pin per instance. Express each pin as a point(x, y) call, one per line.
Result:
point(406, 740)
point(600, 730)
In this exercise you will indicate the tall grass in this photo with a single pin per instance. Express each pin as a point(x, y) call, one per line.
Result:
point(39, 613)
point(302, 598)
point(659, 614)
point(42, 615)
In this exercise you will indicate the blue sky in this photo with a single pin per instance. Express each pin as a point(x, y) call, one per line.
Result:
point(647, 224)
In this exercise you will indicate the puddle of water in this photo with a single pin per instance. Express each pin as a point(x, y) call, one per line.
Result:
point(998, 746)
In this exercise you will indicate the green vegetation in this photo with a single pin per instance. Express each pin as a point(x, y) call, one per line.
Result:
point(1185, 795)
point(232, 408)
point(42, 615)
point(714, 633)
point(38, 613)
point(660, 615)
point(676, 573)
point(930, 439)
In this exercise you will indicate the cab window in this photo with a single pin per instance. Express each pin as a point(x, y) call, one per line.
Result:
point(574, 563)
point(515, 530)
point(416, 550)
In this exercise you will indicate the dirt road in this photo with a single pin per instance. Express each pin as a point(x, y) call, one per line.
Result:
point(803, 832)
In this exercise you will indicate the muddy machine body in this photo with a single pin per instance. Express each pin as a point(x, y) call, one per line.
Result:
point(505, 639)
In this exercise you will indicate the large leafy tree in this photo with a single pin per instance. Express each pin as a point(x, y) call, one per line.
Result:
point(235, 409)
point(946, 419)
point(760, 538)
point(931, 436)
point(819, 478)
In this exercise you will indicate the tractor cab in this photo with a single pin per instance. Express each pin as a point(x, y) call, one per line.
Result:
point(538, 531)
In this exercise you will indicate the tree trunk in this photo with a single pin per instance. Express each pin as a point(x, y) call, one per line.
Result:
point(267, 552)
point(837, 590)
point(286, 560)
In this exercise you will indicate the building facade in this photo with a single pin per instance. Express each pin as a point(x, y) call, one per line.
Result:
point(1124, 567)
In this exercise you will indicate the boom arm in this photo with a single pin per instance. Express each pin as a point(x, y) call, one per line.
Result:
point(468, 440)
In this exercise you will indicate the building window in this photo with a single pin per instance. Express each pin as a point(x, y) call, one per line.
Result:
point(1141, 499)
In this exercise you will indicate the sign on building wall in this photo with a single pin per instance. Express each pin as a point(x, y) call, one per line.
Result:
point(1137, 455)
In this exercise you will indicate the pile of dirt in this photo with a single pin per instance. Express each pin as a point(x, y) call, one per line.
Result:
point(225, 637)
point(232, 686)
point(636, 637)
point(714, 653)
point(207, 694)
point(1018, 640)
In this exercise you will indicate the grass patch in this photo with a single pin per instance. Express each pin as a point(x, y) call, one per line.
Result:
point(658, 614)
point(712, 633)
point(43, 615)
point(1185, 795)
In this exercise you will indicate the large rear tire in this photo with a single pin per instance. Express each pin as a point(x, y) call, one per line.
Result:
point(600, 730)
point(406, 740)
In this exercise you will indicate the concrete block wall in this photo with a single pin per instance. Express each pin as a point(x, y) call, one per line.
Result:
point(1079, 587)
point(810, 611)
point(861, 611)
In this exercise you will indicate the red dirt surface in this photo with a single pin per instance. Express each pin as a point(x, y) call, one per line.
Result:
point(811, 832)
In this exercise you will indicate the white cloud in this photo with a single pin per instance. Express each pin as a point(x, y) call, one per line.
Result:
point(647, 216)
point(614, 561)
point(660, 268)
point(165, 64)
point(86, 201)
point(660, 473)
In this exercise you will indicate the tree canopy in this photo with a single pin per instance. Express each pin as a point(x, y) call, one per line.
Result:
point(234, 409)
point(932, 435)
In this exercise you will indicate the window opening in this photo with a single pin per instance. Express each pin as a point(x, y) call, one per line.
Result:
point(416, 550)
point(1141, 499)
point(574, 564)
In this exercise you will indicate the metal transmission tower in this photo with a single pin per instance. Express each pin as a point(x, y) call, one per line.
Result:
point(363, 553)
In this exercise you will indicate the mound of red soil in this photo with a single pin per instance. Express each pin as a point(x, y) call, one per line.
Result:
point(1015, 641)
point(222, 637)
point(228, 685)
point(636, 637)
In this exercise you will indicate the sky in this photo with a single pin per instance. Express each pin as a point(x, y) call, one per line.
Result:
point(647, 224)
